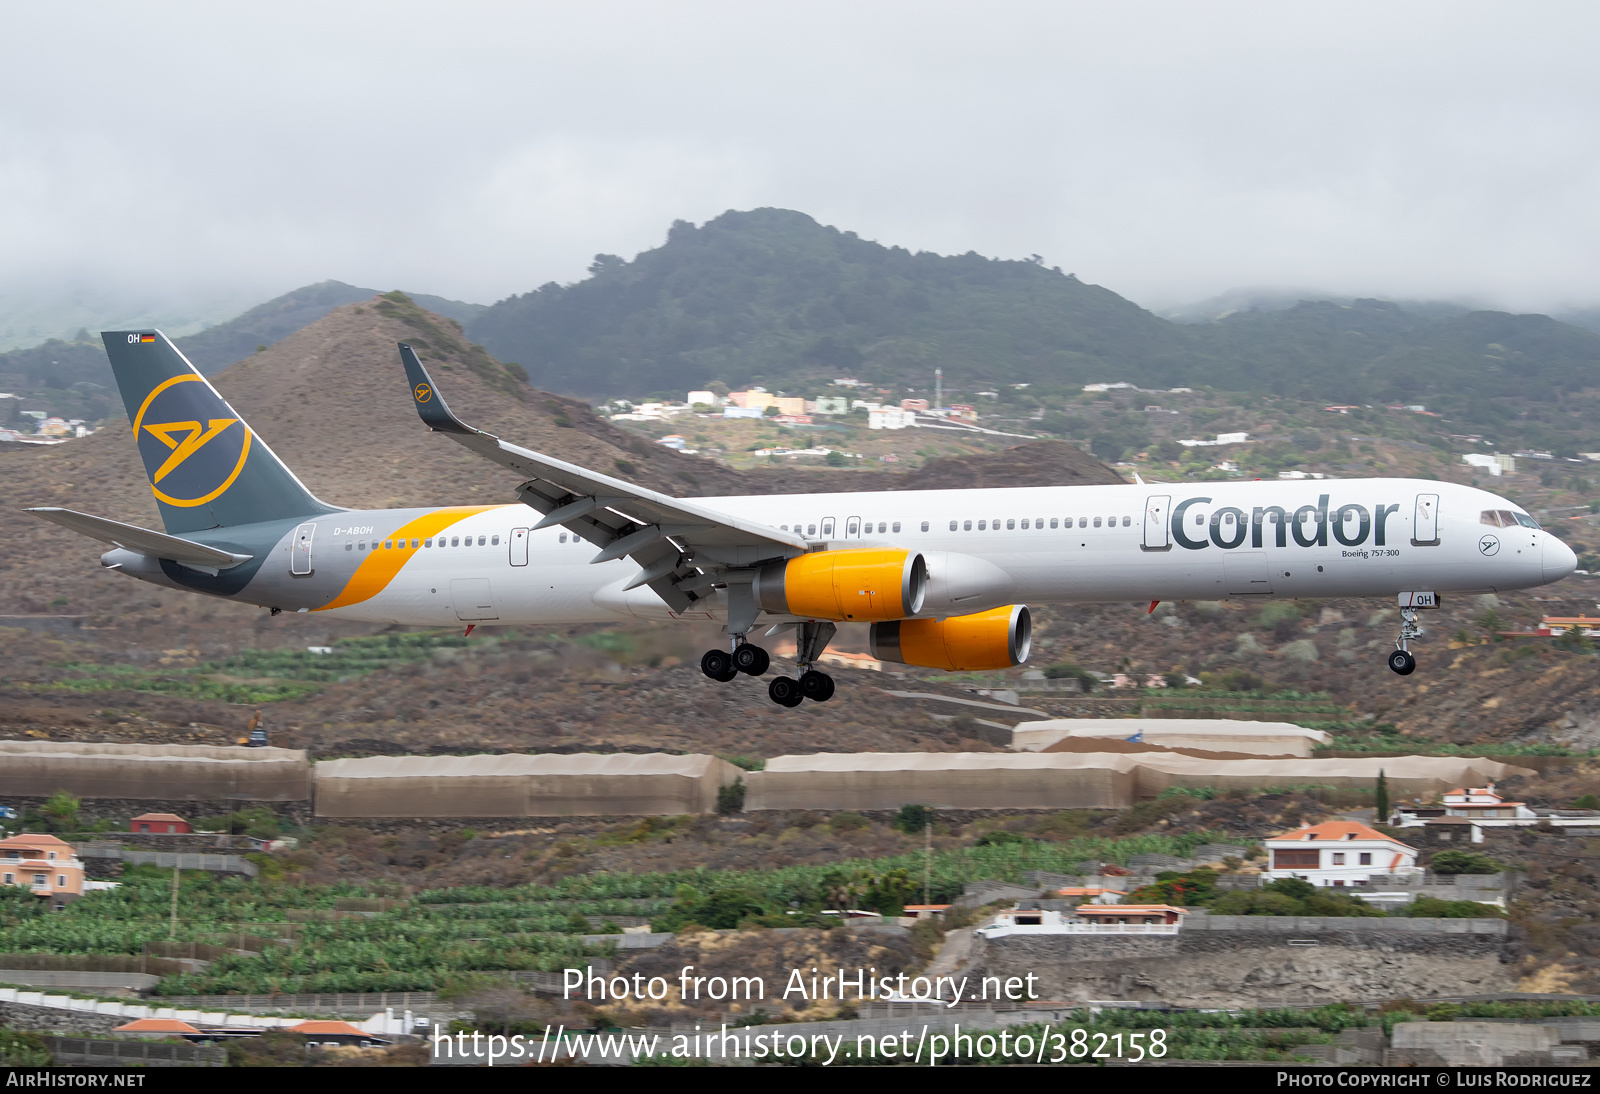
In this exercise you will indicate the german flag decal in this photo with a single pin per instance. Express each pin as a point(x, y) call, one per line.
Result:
point(147, 338)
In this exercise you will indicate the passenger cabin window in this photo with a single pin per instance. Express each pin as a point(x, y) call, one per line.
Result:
point(1052, 522)
point(925, 526)
point(983, 526)
point(495, 542)
point(1012, 524)
point(896, 527)
point(361, 546)
point(811, 529)
point(349, 546)
point(1097, 522)
point(388, 544)
point(966, 526)
point(1083, 522)
point(563, 537)
point(1128, 521)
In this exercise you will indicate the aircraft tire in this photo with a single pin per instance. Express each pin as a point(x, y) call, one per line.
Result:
point(785, 691)
point(752, 660)
point(1402, 662)
point(817, 686)
point(718, 664)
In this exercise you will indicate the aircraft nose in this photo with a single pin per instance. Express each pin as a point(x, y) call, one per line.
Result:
point(1559, 560)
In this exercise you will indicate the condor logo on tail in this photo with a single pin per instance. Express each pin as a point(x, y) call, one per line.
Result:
point(192, 443)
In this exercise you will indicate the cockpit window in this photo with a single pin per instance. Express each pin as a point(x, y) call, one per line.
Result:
point(1505, 518)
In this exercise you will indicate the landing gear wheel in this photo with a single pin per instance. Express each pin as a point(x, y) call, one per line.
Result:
point(1402, 662)
point(719, 666)
point(785, 691)
point(751, 659)
point(817, 686)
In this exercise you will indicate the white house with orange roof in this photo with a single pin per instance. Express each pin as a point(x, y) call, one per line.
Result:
point(1338, 853)
point(44, 865)
point(1482, 803)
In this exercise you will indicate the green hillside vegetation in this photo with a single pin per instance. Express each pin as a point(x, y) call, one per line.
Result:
point(772, 296)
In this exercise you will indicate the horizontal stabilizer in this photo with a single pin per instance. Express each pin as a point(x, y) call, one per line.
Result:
point(143, 540)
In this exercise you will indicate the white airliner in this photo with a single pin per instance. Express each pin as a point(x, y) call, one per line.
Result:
point(943, 576)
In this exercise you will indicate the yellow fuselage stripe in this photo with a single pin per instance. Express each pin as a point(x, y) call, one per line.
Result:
point(381, 567)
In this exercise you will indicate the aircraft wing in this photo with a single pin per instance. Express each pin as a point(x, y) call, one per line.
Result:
point(143, 540)
point(672, 540)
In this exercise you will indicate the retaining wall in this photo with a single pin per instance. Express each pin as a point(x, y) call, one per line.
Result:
point(167, 772)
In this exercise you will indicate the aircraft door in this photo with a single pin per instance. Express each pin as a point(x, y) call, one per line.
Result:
point(519, 546)
point(1157, 531)
point(827, 527)
point(1425, 526)
point(300, 551)
point(852, 527)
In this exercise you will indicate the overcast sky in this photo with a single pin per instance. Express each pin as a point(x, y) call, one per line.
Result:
point(1169, 151)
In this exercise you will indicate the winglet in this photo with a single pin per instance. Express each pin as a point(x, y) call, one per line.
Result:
point(431, 407)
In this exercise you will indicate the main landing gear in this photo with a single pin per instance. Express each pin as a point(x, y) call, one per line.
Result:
point(745, 658)
point(786, 691)
point(1401, 661)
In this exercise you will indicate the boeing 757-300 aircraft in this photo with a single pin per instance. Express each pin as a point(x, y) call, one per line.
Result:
point(942, 576)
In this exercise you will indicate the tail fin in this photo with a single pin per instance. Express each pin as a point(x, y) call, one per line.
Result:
point(207, 468)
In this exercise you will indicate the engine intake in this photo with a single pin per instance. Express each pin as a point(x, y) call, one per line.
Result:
point(997, 639)
point(861, 586)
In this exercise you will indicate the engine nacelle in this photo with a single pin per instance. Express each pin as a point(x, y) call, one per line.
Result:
point(997, 639)
point(860, 586)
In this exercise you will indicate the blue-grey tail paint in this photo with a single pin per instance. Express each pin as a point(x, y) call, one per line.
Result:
point(207, 468)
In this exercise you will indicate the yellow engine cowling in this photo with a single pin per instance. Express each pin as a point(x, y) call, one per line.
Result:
point(997, 639)
point(860, 586)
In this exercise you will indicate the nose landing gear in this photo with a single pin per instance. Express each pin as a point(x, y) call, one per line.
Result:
point(1401, 661)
